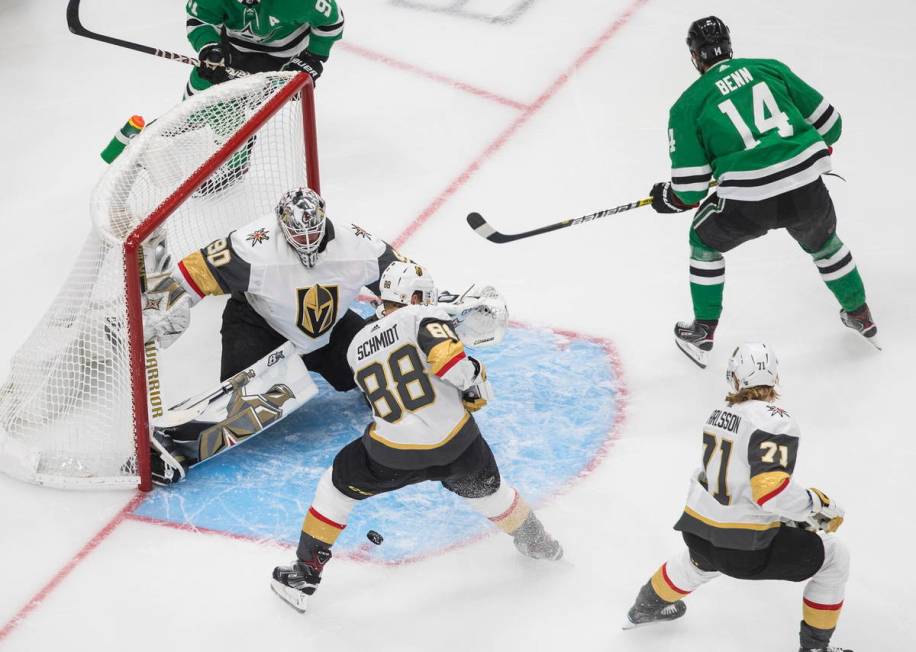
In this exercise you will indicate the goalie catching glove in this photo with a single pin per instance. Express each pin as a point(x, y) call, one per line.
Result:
point(480, 317)
point(479, 393)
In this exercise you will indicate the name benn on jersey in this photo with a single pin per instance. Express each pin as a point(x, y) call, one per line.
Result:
point(723, 419)
point(734, 81)
point(317, 309)
point(386, 338)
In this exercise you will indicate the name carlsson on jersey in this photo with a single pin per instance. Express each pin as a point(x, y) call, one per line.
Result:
point(725, 420)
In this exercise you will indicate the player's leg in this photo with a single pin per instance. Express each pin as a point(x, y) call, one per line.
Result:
point(353, 477)
point(331, 360)
point(246, 337)
point(196, 84)
point(719, 225)
point(823, 597)
point(811, 220)
point(662, 597)
point(475, 477)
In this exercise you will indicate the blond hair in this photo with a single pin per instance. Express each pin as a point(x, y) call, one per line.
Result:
point(759, 393)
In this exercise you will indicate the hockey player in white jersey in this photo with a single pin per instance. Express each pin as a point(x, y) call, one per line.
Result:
point(292, 275)
point(747, 517)
point(422, 388)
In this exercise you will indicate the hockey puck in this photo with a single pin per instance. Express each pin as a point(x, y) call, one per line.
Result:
point(375, 537)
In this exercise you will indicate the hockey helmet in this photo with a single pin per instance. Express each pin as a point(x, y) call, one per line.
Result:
point(402, 280)
point(303, 221)
point(709, 41)
point(752, 364)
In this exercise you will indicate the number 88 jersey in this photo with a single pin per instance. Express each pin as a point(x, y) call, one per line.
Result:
point(412, 368)
point(744, 489)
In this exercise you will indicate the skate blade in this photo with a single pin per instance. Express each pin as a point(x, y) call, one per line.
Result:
point(296, 599)
point(873, 340)
point(629, 624)
point(698, 356)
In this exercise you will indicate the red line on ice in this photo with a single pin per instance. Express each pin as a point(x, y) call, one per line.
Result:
point(510, 131)
point(425, 215)
point(67, 568)
point(434, 76)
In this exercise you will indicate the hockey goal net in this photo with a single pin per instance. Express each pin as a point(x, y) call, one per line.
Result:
point(75, 409)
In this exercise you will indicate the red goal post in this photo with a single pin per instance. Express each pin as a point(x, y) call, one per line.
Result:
point(215, 162)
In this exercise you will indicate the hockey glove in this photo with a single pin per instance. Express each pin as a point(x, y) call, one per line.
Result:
point(825, 513)
point(664, 199)
point(306, 62)
point(166, 312)
point(479, 393)
point(213, 63)
point(480, 317)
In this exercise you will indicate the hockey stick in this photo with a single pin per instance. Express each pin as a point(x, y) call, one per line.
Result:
point(484, 230)
point(73, 22)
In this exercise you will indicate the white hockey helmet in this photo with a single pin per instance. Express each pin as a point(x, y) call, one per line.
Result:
point(753, 364)
point(402, 280)
point(303, 221)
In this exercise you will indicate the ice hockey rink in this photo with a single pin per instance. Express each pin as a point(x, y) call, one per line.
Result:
point(529, 111)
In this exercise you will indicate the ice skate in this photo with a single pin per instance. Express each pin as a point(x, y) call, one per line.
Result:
point(829, 648)
point(297, 582)
point(649, 609)
point(860, 321)
point(167, 464)
point(532, 540)
point(695, 339)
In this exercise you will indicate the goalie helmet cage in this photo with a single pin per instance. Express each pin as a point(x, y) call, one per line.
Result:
point(75, 409)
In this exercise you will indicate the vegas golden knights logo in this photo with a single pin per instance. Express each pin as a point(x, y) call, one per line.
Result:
point(317, 309)
point(247, 415)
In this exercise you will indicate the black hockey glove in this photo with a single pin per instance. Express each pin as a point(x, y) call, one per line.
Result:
point(306, 62)
point(665, 201)
point(213, 63)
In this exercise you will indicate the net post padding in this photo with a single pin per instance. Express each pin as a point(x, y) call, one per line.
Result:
point(74, 406)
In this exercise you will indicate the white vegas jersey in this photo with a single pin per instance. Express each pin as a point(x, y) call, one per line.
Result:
point(300, 303)
point(744, 488)
point(412, 368)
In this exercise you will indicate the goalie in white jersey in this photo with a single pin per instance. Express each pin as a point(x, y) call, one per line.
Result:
point(422, 388)
point(747, 517)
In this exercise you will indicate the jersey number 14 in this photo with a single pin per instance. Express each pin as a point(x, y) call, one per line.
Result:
point(767, 116)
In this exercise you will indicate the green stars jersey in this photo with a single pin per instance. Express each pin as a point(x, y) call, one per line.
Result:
point(279, 28)
point(755, 126)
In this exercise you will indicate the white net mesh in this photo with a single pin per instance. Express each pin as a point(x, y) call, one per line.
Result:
point(66, 415)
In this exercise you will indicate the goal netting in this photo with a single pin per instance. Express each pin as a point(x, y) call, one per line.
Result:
point(75, 408)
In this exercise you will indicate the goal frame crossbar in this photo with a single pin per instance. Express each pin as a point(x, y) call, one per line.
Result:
point(301, 85)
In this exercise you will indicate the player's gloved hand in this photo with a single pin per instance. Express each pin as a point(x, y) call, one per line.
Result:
point(306, 62)
point(480, 316)
point(664, 200)
point(213, 63)
point(166, 312)
point(826, 514)
point(479, 393)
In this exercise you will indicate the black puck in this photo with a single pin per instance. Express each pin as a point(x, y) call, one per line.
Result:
point(375, 537)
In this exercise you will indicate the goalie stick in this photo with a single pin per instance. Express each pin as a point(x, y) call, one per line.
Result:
point(73, 22)
point(483, 228)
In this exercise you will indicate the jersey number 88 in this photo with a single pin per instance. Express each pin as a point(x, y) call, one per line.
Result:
point(411, 384)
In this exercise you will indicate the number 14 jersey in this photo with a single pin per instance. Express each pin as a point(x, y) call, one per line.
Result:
point(744, 488)
point(755, 126)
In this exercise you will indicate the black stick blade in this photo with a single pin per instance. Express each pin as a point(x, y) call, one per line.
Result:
point(482, 228)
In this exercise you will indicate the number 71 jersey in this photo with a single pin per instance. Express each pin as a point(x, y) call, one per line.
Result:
point(744, 489)
point(755, 126)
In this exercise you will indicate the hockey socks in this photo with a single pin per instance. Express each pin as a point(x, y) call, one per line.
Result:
point(327, 517)
point(707, 279)
point(838, 270)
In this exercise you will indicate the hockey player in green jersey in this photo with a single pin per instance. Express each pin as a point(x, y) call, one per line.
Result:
point(260, 36)
point(766, 136)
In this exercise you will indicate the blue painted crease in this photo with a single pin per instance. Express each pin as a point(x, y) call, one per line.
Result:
point(555, 406)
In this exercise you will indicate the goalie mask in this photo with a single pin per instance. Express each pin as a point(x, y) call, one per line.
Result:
point(402, 281)
point(303, 221)
point(752, 365)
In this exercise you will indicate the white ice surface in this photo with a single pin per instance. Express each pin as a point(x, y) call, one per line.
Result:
point(396, 145)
